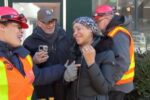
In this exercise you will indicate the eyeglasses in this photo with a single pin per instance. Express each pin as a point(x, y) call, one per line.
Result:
point(17, 26)
point(19, 17)
point(98, 15)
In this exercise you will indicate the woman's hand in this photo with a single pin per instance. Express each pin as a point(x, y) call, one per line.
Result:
point(89, 54)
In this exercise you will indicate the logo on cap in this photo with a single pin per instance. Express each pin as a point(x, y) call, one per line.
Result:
point(48, 12)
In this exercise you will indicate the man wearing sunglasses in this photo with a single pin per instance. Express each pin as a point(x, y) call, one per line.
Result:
point(113, 25)
point(48, 34)
point(17, 71)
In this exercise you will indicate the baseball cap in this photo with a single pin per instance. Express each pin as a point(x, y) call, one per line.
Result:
point(45, 15)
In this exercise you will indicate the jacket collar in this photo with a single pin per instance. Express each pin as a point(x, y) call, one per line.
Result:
point(38, 33)
point(21, 51)
point(5, 49)
point(116, 21)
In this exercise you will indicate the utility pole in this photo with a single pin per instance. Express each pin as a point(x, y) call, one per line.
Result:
point(136, 16)
point(64, 14)
point(117, 5)
point(5, 2)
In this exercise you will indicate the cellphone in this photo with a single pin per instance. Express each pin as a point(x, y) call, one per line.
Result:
point(43, 48)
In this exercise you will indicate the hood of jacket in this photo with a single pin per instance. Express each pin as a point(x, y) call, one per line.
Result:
point(118, 20)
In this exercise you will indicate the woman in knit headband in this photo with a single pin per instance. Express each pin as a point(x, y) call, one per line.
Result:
point(94, 78)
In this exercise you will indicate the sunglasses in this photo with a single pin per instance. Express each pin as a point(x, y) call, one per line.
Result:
point(19, 17)
point(96, 16)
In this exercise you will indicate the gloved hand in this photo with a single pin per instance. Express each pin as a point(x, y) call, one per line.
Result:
point(71, 71)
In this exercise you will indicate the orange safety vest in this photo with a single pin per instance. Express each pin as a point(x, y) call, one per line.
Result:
point(13, 85)
point(128, 76)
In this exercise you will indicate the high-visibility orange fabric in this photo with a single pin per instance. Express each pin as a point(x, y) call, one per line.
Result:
point(14, 85)
point(129, 74)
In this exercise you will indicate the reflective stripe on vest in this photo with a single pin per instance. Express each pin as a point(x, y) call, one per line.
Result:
point(3, 82)
point(29, 98)
point(128, 76)
point(13, 85)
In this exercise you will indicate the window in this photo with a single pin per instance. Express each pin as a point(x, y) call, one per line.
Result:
point(30, 11)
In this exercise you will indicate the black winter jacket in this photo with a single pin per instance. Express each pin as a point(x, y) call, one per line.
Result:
point(58, 48)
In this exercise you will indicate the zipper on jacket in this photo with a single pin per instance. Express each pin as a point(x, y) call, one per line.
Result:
point(78, 81)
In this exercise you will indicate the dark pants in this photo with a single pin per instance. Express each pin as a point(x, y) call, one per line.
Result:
point(43, 92)
point(116, 95)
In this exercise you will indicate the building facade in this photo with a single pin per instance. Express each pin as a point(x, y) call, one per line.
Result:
point(67, 10)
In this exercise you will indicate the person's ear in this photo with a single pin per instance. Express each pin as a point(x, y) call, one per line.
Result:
point(39, 23)
point(2, 27)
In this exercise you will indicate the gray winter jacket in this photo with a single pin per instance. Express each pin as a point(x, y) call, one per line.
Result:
point(95, 82)
point(121, 49)
point(121, 46)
